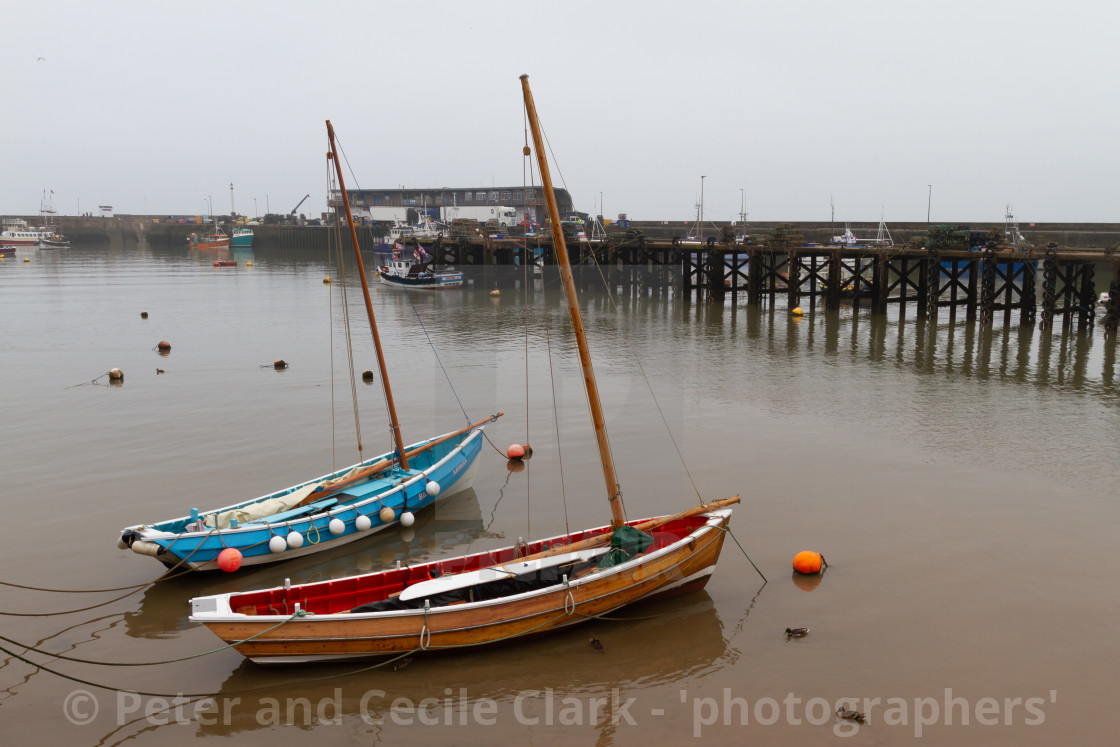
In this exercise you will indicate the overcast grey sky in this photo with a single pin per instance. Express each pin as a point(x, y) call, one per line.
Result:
point(153, 106)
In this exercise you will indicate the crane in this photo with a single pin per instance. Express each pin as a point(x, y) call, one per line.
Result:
point(298, 204)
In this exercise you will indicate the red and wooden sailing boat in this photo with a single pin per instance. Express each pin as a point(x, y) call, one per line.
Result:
point(488, 597)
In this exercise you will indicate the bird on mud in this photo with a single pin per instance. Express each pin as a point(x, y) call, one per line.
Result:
point(848, 715)
point(402, 663)
point(796, 633)
point(159, 371)
point(596, 644)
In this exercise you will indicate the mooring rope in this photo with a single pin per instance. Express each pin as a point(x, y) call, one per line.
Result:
point(168, 575)
point(77, 660)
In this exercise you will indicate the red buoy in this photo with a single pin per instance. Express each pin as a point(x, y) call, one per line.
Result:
point(229, 559)
point(807, 562)
point(515, 451)
point(280, 364)
point(164, 345)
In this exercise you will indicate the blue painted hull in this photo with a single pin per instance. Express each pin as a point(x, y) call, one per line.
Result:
point(451, 465)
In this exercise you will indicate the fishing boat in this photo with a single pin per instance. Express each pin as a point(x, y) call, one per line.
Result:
point(52, 237)
point(54, 241)
point(330, 510)
point(488, 597)
point(417, 275)
point(241, 238)
point(215, 239)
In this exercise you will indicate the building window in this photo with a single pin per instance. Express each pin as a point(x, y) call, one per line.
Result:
point(505, 196)
point(517, 196)
point(480, 196)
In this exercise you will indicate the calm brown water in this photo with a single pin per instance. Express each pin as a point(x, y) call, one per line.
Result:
point(962, 483)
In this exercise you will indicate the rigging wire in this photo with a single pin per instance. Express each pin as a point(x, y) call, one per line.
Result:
point(435, 352)
point(548, 349)
point(526, 169)
point(338, 254)
point(333, 239)
point(630, 345)
point(353, 383)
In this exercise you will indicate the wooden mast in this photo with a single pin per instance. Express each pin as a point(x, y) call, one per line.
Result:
point(394, 423)
point(614, 492)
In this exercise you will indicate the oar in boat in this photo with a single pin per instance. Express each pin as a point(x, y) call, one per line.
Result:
point(576, 552)
point(494, 573)
point(332, 486)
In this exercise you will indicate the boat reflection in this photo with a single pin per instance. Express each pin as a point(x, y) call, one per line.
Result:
point(456, 521)
point(660, 642)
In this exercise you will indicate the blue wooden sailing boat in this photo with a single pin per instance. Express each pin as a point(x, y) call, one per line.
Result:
point(327, 511)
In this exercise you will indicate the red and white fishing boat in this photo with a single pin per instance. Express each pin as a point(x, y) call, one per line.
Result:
point(488, 597)
point(215, 239)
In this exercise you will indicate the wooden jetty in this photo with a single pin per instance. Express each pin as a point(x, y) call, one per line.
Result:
point(1032, 285)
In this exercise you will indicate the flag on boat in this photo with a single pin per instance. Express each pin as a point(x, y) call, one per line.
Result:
point(397, 249)
point(421, 254)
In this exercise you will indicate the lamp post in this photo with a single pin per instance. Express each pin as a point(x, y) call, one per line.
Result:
point(255, 211)
point(702, 178)
point(929, 202)
point(266, 208)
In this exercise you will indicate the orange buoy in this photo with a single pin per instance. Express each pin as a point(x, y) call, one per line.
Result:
point(515, 451)
point(164, 345)
point(115, 374)
point(143, 315)
point(807, 562)
point(367, 375)
point(229, 559)
point(528, 451)
point(280, 364)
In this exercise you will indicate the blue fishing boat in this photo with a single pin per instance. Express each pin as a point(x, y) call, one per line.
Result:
point(241, 238)
point(330, 510)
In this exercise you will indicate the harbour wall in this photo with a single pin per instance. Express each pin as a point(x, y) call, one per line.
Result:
point(158, 232)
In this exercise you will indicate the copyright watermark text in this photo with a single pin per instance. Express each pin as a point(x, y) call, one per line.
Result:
point(551, 708)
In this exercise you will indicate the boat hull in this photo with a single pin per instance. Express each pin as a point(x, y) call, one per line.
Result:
point(171, 544)
point(241, 240)
point(678, 562)
point(438, 281)
point(210, 244)
point(20, 240)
